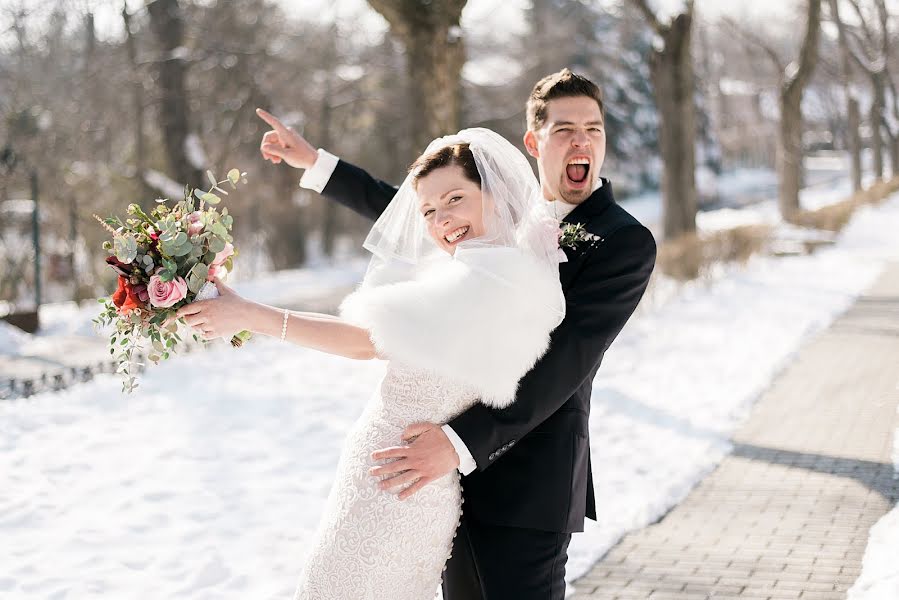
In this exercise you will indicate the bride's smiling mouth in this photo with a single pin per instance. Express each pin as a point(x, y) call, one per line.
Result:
point(456, 234)
point(577, 171)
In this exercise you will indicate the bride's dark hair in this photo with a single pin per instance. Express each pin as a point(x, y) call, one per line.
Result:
point(456, 154)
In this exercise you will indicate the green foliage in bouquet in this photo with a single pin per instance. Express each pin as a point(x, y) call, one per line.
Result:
point(163, 260)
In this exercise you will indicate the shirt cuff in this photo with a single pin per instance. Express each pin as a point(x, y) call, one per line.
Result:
point(317, 176)
point(466, 460)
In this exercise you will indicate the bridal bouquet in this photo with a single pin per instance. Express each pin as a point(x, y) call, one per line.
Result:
point(165, 260)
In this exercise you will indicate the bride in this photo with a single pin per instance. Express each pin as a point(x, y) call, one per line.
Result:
point(460, 297)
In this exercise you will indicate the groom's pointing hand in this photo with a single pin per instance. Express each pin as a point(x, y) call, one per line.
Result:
point(283, 143)
point(427, 456)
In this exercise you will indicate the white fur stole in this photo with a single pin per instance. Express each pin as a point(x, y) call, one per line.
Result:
point(482, 318)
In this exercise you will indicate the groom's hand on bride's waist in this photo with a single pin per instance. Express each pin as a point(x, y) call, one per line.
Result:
point(427, 456)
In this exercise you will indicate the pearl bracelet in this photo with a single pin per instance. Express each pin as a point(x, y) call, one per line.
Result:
point(284, 324)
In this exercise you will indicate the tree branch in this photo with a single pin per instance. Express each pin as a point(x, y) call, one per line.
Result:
point(861, 57)
point(650, 16)
point(808, 53)
point(757, 42)
point(392, 13)
point(843, 42)
point(884, 31)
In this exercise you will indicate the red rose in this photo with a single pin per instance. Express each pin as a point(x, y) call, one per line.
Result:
point(119, 267)
point(126, 298)
point(121, 294)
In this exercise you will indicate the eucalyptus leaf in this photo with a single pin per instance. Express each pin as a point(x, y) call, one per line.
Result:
point(216, 245)
point(200, 270)
point(182, 250)
point(211, 178)
point(125, 247)
point(210, 198)
point(234, 176)
point(194, 283)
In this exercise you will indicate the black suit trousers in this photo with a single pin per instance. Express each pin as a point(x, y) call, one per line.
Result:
point(494, 562)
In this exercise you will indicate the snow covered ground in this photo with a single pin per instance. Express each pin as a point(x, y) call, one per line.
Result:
point(208, 482)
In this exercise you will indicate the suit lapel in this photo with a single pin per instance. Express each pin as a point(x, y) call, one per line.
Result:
point(598, 201)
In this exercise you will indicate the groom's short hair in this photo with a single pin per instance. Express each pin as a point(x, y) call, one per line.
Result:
point(564, 84)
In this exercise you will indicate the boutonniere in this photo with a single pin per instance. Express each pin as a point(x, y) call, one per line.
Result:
point(572, 234)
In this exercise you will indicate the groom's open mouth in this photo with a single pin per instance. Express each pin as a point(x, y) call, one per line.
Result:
point(577, 171)
point(456, 235)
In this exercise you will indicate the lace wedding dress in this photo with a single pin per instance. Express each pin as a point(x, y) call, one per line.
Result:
point(370, 545)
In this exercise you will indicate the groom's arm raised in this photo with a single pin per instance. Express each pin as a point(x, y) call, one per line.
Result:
point(325, 173)
point(599, 304)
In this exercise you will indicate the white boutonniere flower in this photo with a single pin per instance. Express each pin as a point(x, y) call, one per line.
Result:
point(572, 234)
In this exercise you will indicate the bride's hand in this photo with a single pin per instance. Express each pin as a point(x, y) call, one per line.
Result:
point(283, 143)
point(217, 317)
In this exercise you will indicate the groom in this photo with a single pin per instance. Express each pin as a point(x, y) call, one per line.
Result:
point(528, 483)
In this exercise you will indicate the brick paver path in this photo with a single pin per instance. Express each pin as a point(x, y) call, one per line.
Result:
point(787, 514)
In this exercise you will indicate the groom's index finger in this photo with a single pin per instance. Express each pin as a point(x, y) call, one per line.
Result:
point(272, 120)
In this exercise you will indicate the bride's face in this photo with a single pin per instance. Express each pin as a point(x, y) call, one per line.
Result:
point(452, 207)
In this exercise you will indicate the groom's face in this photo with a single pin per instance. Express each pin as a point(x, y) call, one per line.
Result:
point(569, 147)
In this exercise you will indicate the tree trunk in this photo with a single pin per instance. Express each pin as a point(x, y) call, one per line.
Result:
point(671, 70)
point(330, 216)
point(789, 155)
point(853, 116)
point(137, 100)
point(435, 54)
point(895, 157)
point(875, 117)
point(855, 144)
point(789, 145)
point(166, 20)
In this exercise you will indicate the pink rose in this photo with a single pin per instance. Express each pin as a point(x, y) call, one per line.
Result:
point(194, 223)
point(216, 271)
point(222, 256)
point(166, 293)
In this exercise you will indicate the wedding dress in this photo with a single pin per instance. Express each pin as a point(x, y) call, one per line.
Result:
point(371, 544)
point(456, 329)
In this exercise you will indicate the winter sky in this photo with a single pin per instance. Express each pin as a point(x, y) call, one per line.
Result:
point(496, 16)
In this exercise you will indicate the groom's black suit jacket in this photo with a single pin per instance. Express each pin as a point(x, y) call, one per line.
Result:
point(538, 449)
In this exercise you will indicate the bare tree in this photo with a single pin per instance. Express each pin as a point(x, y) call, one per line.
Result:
point(869, 48)
point(137, 97)
point(435, 54)
point(794, 78)
point(672, 75)
point(853, 115)
point(167, 24)
point(894, 134)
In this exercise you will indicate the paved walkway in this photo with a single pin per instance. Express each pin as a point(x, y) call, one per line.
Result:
point(787, 514)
